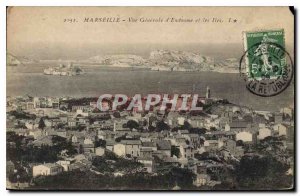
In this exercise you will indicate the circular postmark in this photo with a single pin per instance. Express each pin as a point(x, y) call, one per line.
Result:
point(266, 68)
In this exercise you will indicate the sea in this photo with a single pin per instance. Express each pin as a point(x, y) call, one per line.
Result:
point(29, 80)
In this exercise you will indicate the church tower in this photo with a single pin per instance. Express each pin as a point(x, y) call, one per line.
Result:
point(207, 93)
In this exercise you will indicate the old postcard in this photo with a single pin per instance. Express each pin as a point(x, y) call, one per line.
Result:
point(150, 98)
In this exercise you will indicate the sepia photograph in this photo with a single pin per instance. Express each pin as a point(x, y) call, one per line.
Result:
point(120, 98)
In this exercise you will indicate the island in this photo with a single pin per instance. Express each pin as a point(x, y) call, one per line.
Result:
point(64, 70)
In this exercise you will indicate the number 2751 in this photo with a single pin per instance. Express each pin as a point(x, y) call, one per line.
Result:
point(70, 20)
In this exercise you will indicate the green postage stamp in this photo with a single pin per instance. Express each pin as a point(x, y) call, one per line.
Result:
point(266, 66)
point(265, 58)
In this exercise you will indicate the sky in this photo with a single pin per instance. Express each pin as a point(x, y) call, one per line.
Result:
point(43, 28)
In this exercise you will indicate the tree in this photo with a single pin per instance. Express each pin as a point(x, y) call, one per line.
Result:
point(22, 115)
point(81, 127)
point(117, 114)
point(42, 124)
point(239, 143)
point(262, 172)
point(63, 108)
point(186, 125)
point(118, 139)
point(175, 151)
point(60, 126)
point(197, 130)
point(213, 129)
point(203, 156)
point(202, 141)
point(161, 126)
point(77, 70)
point(101, 143)
point(182, 177)
point(101, 164)
point(14, 152)
point(20, 176)
point(131, 124)
point(71, 149)
point(151, 128)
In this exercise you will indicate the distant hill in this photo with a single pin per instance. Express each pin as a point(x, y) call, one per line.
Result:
point(13, 60)
point(180, 60)
point(26, 60)
point(168, 60)
point(118, 60)
point(165, 56)
point(158, 60)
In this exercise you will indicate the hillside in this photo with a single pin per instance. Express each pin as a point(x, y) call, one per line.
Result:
point(118, 60)
point(11, 60)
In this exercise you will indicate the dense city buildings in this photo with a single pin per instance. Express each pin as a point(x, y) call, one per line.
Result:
point(222, 146)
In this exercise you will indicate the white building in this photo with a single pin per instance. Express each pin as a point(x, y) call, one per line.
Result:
point(201, 180)
point(148, 164)
point(31, 125)
point(82, 113)
point(35, 133)
point(48, 169)
point(180, 120)
point(280, 129)
point(65, 164)
point(227, 127)
point(100, 151)
point(119, 149)
point(88, 141)
point(263, 133)
point(244, 136)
